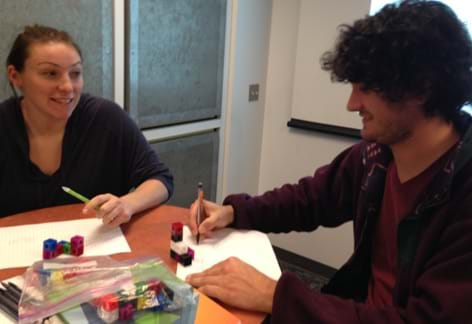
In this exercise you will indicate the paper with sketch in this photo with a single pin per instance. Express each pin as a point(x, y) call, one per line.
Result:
point(22, 245)
point(253, 247)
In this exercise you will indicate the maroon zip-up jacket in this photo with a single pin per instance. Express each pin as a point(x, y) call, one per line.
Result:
point(434, 242)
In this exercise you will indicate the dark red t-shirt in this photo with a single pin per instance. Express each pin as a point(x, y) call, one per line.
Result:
point(399, 200)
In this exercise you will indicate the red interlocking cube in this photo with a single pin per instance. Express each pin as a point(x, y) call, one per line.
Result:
point(177, 228)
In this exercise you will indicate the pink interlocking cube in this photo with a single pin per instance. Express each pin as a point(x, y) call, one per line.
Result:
point(77, 245)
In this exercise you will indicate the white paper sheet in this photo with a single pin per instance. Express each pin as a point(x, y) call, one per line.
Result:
point(253, 247)
point(23, 245)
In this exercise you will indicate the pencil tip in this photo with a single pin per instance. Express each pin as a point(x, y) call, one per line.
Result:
point(65, 188)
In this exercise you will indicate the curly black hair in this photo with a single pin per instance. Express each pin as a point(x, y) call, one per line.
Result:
point(415, 49)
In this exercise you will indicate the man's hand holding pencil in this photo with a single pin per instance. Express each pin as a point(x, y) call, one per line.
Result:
point(231, 281)
point(213, 217)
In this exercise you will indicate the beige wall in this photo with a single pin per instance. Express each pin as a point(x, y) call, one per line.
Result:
point(243, 119)
point(289, 154)
point(260, 151)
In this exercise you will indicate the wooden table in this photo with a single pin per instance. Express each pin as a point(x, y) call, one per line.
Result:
point(148, 234)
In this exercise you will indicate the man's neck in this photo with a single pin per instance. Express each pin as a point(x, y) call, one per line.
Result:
point(430, 140)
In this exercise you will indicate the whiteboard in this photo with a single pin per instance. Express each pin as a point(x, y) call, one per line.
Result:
point(315, 98)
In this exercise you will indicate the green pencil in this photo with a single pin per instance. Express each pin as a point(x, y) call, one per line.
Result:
point(75, 194)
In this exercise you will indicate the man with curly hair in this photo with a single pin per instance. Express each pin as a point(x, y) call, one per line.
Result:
point(407, 186)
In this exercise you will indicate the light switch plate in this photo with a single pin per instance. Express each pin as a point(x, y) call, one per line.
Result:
point(253, 92)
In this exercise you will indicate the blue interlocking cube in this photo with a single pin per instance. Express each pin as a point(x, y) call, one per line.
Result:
point(50, 245)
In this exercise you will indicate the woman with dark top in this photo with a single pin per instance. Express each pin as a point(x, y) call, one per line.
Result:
point(52, 135)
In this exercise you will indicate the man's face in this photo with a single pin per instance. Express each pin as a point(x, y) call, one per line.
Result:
point(384, 122)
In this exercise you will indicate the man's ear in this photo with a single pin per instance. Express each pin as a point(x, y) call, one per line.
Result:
point(14, 77)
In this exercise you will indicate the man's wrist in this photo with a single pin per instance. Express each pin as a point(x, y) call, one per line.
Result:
point(229, 214)
point(269, 299)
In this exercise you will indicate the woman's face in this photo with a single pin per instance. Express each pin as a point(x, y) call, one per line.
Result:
point(51, 81)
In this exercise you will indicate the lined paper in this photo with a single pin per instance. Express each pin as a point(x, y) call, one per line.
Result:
point(23, 245)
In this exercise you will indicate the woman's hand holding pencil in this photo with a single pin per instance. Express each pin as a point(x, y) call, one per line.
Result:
point(111, 209)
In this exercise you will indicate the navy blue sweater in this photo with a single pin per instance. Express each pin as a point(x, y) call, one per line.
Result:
point(103, 151)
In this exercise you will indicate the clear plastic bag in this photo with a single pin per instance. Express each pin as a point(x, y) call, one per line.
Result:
point(140, 290)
